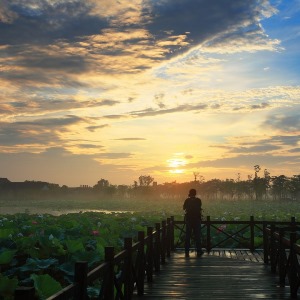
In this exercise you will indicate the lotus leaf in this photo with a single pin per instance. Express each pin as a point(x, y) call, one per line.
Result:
point(6, 256)
point(45, 285)
point(7, 286)
point(34, 264)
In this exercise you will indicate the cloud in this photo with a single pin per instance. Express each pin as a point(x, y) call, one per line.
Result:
point(6, 15)
point(50, 103)
point(248, 161)
point(254, 145)
point(113, 155)
point(95, 127)
point(295, 150)
point(89, 146)
point(18, 134)
point(130, 139)
point(180, 108)
point(288, 123)
point(208, 22)
point(255, 149)
point(39, 131)
point(67, 65)
point(43, 22)
point(288, 140)
point(57, 123)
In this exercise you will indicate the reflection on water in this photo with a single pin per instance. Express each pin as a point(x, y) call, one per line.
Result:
point(14, 210)
point(72, 211)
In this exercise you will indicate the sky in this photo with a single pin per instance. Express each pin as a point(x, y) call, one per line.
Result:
point(93, 89)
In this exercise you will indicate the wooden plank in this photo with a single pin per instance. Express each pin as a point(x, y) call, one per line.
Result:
point(258, 256)
point(244, 255)
point(213, 277)
point(239, 255)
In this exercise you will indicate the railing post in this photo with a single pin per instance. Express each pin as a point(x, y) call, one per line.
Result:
point(163, 242)
point(150, 254)
point(168, 237)
point(281, 254)
point(80, 279)
point(24, 293)
point(172, 228)
point(208, 234)
point(293, 266)
point(252, 247)
point(293, 222)
point(273, 250)
point(266, 243)
point(157, 248)
point(128, 269)
point(141, 264)
point(110, 286)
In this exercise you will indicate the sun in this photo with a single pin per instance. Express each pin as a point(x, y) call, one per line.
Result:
point(176, 165)
point(176, 162)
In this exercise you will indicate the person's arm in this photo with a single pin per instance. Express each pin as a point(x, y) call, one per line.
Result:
point(184, 204)
point(200, 202)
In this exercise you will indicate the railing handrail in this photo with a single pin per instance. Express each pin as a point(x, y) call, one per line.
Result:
point(276, 246)
point(120, 256)
point(240, 222)
point(251, 223)
point(278, 234)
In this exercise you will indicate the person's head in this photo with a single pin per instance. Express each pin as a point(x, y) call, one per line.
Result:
point(192, 193)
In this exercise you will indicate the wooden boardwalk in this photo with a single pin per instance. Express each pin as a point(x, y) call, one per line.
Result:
point(218, 275)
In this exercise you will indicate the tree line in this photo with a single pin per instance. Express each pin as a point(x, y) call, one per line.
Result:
point(259, 186)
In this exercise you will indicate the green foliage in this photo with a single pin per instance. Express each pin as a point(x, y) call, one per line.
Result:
point(6, 256)
point(74, 246)
point(45, 285)
point(6, 233)
point(35, 265)
point(7, 287)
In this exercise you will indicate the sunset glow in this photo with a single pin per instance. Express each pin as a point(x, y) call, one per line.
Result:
point(144, 87)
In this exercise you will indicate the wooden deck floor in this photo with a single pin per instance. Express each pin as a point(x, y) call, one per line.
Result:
point(218, 275)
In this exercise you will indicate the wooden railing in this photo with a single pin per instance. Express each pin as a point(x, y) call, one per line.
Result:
point(120, 274)
point(124, 273)
point(282, 252)
point(255, 228)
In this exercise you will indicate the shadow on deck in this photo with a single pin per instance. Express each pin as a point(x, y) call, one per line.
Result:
point(215, 276)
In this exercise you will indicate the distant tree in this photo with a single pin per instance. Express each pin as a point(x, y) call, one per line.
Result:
point(228, 188)
point(258, 183)
point(211, 188)
point(104, 187)
point(196, 174)
point(279, 186)
point(64, 188)
point(145, 180)
point(102, 183)
point(294, 186)
point(122, 190)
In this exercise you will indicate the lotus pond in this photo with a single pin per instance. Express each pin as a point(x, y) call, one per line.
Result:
point(40, 250)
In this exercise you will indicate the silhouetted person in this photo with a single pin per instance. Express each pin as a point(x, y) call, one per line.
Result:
point(193, 207)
